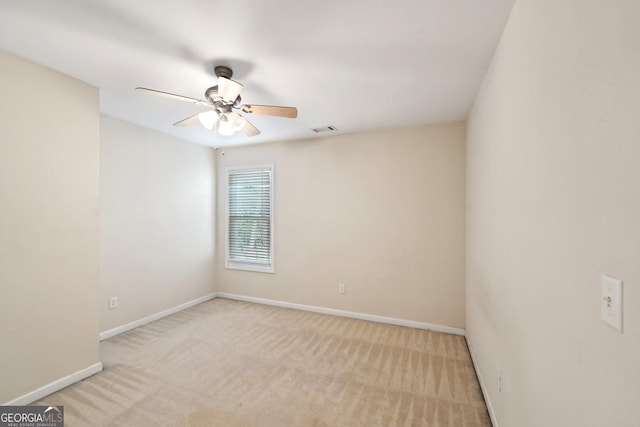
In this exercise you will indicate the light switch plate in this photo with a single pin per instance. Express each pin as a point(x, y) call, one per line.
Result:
point(611, 302)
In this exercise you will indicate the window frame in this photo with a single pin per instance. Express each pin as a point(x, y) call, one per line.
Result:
point(248, 266)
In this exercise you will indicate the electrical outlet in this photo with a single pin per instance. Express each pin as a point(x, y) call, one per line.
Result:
point(113, 303)
point(499, 380)
point(342, 288)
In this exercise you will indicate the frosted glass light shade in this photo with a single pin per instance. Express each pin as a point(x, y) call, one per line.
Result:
point(208, 119)
point(225, 127)
point(237, 121)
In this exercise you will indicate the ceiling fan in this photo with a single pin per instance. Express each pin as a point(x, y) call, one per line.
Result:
point(221, 100)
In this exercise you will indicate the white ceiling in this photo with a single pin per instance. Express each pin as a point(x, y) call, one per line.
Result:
point(349, 63)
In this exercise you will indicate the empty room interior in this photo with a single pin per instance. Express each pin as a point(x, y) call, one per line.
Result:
point(321, 213)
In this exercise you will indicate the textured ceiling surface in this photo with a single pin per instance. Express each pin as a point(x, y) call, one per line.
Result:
point(355, 65)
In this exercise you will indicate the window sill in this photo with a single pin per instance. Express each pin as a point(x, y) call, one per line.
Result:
point(250, 267)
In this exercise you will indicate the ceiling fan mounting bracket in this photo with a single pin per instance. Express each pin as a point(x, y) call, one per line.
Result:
point(222, 71)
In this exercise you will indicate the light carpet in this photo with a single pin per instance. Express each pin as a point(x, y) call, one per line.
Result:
point(230, 363)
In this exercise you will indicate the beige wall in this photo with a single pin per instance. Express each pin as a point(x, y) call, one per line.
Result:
point(157, 198)
point(49, 136)
point(553, 184)
point(381, 212)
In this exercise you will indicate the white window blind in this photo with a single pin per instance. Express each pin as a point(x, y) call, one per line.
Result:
point(250, 218)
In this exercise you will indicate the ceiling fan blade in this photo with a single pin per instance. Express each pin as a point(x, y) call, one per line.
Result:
point(271, 110)
point(172, 96)
point(249, 129)
point(228, 89)
point(188, 121)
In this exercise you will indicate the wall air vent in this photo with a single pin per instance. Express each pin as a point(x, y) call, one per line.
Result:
point(325, 129)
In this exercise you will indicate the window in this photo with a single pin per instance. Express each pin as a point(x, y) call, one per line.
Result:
point(250, 218)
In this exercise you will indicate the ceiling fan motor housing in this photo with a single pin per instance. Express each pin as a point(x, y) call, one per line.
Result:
point(212, 96)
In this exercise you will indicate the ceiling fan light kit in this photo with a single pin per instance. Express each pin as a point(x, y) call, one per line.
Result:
point(225, 127)
point(237, 121)
point(208, 119)
point(221, 100)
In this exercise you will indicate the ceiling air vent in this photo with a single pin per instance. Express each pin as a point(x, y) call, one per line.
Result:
point(325, 129)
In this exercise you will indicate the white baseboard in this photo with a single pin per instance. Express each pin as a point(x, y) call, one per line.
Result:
point(483, 387)
point(344, 313)
point(124, 328)
point(54, 386)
